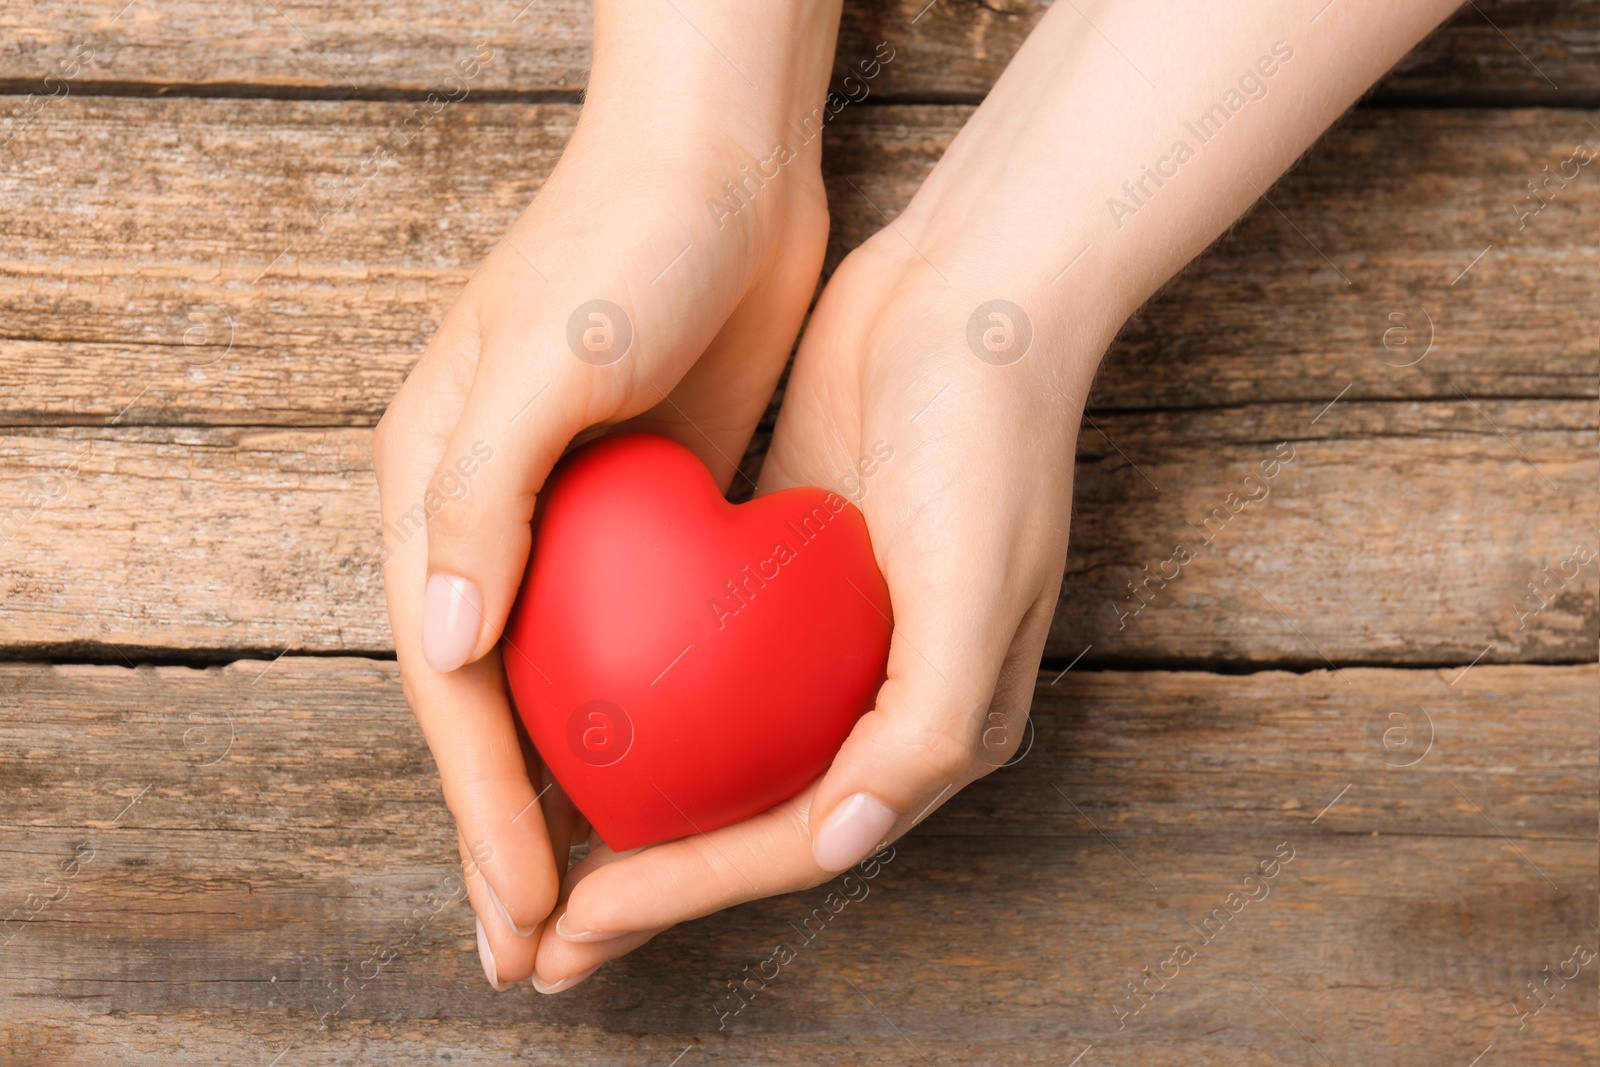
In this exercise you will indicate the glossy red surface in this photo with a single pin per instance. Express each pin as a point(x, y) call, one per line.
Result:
point(683, 663)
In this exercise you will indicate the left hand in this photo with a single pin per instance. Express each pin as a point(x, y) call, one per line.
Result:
point(967, 500)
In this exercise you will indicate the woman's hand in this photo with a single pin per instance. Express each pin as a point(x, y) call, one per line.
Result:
point(951, 355)
point(950, 415)
point(658, 279)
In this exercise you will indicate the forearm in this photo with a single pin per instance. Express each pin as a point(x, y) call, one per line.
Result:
point(670, 193)
point(1126, 136)
point(713, 68)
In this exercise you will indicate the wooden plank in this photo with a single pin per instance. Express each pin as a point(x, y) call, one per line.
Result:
point(1400, 532)
point(203, 314)
point(1530, 49)
point(1383, 217)
point(196, 539)
point(247, 842)
point(1525, 50)
point(128, 296)
point(192, 539)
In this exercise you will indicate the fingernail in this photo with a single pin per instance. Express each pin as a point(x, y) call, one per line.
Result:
point(568, 934)
point(486, 957)
point(505, 916)
point(565, 983)
point(849, 834)
point(451, 619)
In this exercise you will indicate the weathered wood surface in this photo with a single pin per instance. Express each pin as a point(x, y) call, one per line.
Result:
point(1527, 50)
point(249, 841)
point(189, 360)
point(1399, 533)
point(1386, 214)
point(164, 261)
point(1518, 49)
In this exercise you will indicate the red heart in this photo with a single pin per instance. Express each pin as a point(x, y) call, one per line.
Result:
point(683, 663)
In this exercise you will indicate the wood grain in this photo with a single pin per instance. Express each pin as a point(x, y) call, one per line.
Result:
point(1529, 50)
point(1413, 213)
point(253, 841)
point(181, 275)
point(1392, 522)
point(1400, 533)
point(197, 331)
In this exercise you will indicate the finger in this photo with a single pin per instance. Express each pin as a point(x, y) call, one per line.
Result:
point(694, 876)
point(714, 409)
point(1004, 730)
point(963, 624)
point(464, 716)
point(564, 962)
point(566, 823)
point(506, 953)
point(916, 747)
point(516, 421)
point(468, 726)
point(594, 346)
point(598, 349)
point(957, 610)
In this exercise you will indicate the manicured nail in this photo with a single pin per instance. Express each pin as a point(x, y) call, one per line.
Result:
point(849, 834)
point(565, 983)
point(568, 934)
point(486, 957)
point(505, 916)
point(451, 619)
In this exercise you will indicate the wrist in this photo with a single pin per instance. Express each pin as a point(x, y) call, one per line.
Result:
point(1024, 293)
point(1013, 232)
point(710, 73)
point(951, 304)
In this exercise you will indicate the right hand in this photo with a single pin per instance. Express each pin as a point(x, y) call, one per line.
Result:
point(702, 310)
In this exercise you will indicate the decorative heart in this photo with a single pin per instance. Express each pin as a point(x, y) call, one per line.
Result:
point(683, 663)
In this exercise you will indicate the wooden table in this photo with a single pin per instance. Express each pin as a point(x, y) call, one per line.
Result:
point(218, 820)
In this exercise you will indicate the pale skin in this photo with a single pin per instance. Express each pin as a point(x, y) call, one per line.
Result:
point(969, 520)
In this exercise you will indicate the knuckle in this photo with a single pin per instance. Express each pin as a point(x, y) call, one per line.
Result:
point(408, 689)
point(944, 755)
point(1001, 734)
point(796, 827)
point(450, 502)
point(447, 507)
point(381, 445)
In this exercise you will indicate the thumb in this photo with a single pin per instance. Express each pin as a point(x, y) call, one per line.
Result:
point(529, 398)
point(918, 744)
